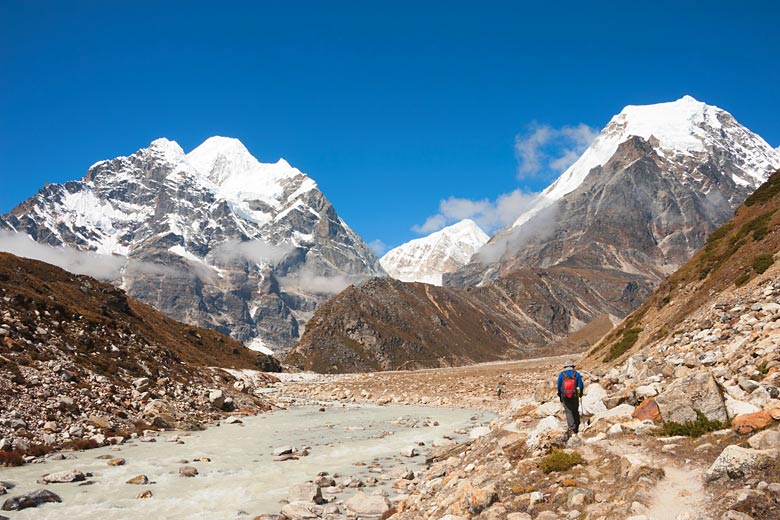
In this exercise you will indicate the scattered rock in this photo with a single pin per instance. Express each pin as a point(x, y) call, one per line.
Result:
point(188, 471)
point(61, 477)
point(737, 462)
point(33, 499)
point(368, 505)
point(139, 480)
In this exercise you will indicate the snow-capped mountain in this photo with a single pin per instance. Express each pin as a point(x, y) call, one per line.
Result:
point(212, 237)
point(426, 259)
point(686, 130)
point(641, 199)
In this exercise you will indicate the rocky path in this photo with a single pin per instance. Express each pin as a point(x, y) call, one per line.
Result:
point(679, 492)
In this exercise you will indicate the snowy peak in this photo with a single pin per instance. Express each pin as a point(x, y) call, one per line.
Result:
point(683, 131)
point(426, 259)
point(167, 150)
point(239, 176)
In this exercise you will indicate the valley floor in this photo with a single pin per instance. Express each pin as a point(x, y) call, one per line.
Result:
point(626, 471)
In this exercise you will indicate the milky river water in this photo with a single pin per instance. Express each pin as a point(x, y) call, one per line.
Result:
point(241, 480)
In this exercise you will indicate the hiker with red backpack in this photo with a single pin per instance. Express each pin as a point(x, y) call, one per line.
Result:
point(569, 392)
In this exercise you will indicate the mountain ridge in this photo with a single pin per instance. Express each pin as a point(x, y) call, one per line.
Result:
point(213, 237)
point(426, 259)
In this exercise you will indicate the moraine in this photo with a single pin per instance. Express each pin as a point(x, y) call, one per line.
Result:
point(241, 478)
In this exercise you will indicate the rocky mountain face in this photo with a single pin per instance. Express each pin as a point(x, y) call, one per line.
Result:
point(212, 237)
point(427, 259)
point(635, 206)
point(642, 198)
point(698, 311)
point(81, 362)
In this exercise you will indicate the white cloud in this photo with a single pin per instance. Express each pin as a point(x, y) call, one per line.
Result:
point(540, 227)
point(547, 151)
point(103, 267)
point(258, 251)
point(307, 280)
point(431, 224)
point(378, 247)
point(490, 215)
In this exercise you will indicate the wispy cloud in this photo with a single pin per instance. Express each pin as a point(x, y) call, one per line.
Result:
point(103, 267)
point(544, 151)
point(540, 227)
point(490, 215)
point(307, 279)
point(258, 251)
point(378, 247)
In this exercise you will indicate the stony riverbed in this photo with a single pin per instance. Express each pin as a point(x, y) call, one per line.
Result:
point(241, 471)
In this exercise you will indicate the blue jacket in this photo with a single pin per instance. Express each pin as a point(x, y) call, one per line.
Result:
point(577, 380)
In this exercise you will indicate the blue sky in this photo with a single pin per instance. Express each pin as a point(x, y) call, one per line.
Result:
point(399, 110)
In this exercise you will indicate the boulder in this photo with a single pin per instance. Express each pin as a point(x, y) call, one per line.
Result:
point(478, 500)
point(33, 499)
point(647, 411)
point(765, 440)
point(737, 462)
point(300, 511)
point(751, 422)
point(139, 480)
point(305, 493)
point(188, 471)
point(549, 408)
point(62, 477)
point(620, 413)
point(593, 400)
point(324, 481)
point(695, 391)
point(479, 431)
point(282, 450)
point(217, 398)
point(373, 506)
point(410, 452)
point(735, 407)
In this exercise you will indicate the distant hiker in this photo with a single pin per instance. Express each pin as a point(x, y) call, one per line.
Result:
point(499, 390)
point(569, 392)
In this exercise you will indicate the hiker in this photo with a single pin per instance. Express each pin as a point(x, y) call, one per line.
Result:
point(499, 390)
point(569, 392)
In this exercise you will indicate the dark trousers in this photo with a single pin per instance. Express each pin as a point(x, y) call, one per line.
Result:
point(572, 407)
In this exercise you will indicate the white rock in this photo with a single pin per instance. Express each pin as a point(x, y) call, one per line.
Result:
point(479, 431)
point(593, 400)
point(646, 391)
point(734, 407)
point(549, 408)
point(622, 411)
point(737, 462)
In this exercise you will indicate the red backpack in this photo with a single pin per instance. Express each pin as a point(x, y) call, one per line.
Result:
point(569, 386)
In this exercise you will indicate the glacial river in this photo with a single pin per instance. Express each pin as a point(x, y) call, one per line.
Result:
point(241, 480)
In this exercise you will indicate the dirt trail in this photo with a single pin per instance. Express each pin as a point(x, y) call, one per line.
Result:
point(678, 493)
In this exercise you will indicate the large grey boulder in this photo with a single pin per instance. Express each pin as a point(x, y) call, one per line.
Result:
point(737, 462)
point(32, 499)
point(765, 440)
point(696, 391)
point(305, 493)
point(61, 477)
point(593, 400)
point(372, 506)
point(300, 511)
